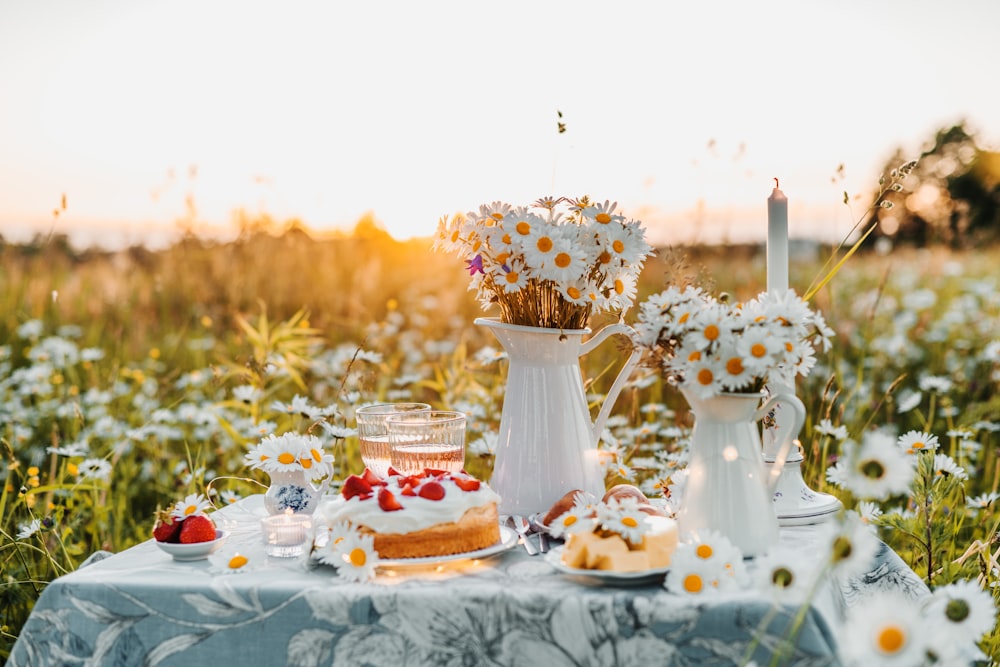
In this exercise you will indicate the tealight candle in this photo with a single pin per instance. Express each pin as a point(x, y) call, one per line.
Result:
point(285, 534)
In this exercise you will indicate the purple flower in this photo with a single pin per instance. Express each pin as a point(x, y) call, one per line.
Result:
point(475, 264)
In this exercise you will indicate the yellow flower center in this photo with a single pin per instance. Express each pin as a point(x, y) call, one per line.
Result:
point(704, 551)
point(619, 286)
point(705, 377)
point(684, 318)
point(602, 218)
point(563, 260)
point(544, 244)
point(917, 445)
point(503, 257)
point(496, 215)
point(734, 366)
point(758, 350)
point(693, 583)
point(604, 257)
point(695, 356)
point(789, 347)
point(506, 238)
point(573, 292)
point(891, 639)
point(237, 561)
point(454, 236)
point(630, 522)
point(569, 520)
point(511, 277)
point(358, 557)
point(523, 228)
point(711, 332)
point(618, 246)
point(286, 458)
point(189, 510)
point(316, 454)
point(306, 463)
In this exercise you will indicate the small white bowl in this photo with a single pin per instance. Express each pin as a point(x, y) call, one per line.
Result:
point(196, 550)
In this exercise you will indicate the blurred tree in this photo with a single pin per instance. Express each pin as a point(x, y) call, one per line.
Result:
point(952, 197)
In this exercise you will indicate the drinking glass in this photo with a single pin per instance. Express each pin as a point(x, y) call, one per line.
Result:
point(372, 436)
point(432, 439)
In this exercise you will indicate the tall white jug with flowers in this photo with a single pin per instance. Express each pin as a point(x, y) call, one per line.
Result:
point(548, 268)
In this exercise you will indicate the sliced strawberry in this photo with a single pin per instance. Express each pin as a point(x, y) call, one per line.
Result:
point(393, 472)
point(408, 490)
point(467, 483)
point(197, 528)
point(434, 472)
point(372, 478)
point(355, 486)
point(167, 528)
point(387, 501)
point(431, 490)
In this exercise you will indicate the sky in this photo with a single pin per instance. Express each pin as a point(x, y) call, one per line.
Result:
point(146, 113)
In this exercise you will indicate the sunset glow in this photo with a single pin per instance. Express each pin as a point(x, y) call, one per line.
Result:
point(145, 114)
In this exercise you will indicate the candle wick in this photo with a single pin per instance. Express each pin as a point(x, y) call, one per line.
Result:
point(776, 185)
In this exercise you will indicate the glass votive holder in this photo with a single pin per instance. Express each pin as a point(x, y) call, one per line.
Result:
point(433, 439)
point(372, 436)
point(285, 535)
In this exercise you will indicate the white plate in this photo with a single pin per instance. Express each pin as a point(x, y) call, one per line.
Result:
point(605, 577)
point(508, 538)
point(196, 550)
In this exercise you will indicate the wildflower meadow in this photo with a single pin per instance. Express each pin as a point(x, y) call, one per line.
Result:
point(133, 378)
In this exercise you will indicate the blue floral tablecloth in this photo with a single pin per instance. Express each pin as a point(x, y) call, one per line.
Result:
point(140, 607)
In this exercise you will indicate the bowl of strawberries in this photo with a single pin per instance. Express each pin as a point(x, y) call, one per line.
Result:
point(186, 532)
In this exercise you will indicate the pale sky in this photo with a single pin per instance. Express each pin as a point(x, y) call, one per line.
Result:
point(683, 112)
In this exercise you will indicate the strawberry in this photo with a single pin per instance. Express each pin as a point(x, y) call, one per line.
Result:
point(167, 528)
point(393, 472)
point(197, 528)
point(355, 486)
point(434, 472)
point(431, 490)
point(372, 478)
point(466, 483)
point(387, 501)
point(408, 490)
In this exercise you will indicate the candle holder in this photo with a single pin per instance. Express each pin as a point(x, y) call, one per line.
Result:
point(794, 502)
point(285, 534)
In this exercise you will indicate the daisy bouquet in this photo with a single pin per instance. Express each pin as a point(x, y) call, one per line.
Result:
point(708, 345)
point(551, 264)
point(290, 452)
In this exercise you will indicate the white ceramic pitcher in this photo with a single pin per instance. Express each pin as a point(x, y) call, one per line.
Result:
point(728, 487)
point(547, 444)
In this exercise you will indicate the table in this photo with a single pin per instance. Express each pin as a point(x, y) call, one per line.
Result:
point(139, 607)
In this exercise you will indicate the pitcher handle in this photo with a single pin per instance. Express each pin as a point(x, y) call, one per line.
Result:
point(789, 437)
point(609, 401)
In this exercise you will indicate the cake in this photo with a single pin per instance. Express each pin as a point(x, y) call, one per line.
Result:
point(621, 533)
point(434, 513)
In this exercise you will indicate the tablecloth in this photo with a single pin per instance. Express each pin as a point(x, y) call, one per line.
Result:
point(139, 607)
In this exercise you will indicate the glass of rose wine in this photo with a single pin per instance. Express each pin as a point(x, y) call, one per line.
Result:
point(372, 435)
point(433, 439)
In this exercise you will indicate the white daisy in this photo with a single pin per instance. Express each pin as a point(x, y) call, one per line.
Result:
point(966, 611)
point(886, 630)
point(26, 530)
point(578, 519)
point(913, 442)
point(358, 558)
point(982, 501)
point(826, 427)
point(513, 278)
point(945, 465)
point(713, 547)
point(877, 469)
point(847, 545)
point(622, 516)
point(704, 377)
point(568, 263)
point(784, 576)
point(192, 505)
point(96, 469)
